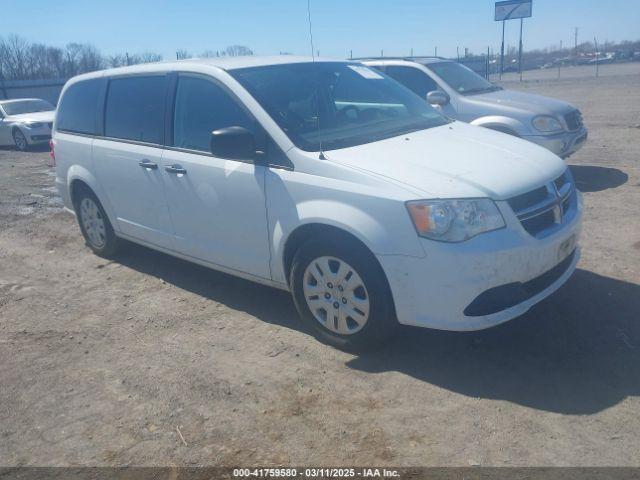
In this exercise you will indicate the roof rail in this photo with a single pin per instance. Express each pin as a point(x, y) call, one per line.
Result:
point(424, 56)
point(398, 57)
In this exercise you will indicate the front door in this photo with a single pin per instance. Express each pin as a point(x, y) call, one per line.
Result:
point(217, 205)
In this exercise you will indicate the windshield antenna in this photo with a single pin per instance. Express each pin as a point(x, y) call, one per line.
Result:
point(313, 60)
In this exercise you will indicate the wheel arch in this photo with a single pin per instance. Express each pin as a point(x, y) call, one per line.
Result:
point(79, 177)
point(315, 229)
point(502, 124)
point(75, 187)
point(16, 128)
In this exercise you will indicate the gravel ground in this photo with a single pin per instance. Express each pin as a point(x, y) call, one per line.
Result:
point(149, 360)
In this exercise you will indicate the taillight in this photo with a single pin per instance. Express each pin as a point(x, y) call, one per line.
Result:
point(52, 152)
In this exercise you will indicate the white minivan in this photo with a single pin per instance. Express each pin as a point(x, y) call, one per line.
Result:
point(325, 178)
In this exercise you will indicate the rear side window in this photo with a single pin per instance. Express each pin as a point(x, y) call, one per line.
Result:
point(412, 78)
point(135, 108)
point(78, 107)
point(202, 107)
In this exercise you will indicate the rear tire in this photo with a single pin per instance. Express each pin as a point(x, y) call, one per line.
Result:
point(94, 224)
point(341, 292)
point(20, 140)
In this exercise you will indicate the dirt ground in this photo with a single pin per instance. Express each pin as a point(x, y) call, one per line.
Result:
point(113, 362)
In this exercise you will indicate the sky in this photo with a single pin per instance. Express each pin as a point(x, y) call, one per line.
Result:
point(339, 26)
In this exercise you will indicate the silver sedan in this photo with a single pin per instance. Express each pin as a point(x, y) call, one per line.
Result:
point(462, 94)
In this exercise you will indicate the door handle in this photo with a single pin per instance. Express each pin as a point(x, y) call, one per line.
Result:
point(175, 168)
point(147, 164)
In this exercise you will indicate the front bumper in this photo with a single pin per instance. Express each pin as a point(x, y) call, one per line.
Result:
point(439, 290)
point(39, 138)
point(38, 134)
point(562, 144)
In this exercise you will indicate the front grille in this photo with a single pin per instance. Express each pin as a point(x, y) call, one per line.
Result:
point(543, 209)
point(539, 223)
point(527, 199)
point(573, 120)
point(562, 180)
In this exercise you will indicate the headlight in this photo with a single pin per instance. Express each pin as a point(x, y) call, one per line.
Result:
point(454, 220)
point(546, 124)
point(33, 124)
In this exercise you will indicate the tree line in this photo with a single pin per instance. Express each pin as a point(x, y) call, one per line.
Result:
point(22, 60)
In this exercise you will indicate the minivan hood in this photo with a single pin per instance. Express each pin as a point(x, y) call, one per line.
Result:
point(456, 160)
point(525, 102)
point(34, 117)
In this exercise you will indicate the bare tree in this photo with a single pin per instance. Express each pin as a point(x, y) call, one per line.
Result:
point(238, 51)
point(55, 59)
point(14, 56)
point(21, 60)
point(209, 54)
point(118, 60)
point(149, 57)
point(182, 54)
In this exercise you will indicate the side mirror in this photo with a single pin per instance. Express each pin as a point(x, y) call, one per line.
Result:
point(437, 97)
point(235, 143)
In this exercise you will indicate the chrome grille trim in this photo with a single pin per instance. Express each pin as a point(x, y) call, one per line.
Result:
point(558, 200)
point(573, 120)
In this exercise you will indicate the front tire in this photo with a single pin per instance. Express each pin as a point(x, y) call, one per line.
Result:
point(20, 140)
point(341, 292)
point(94, 224)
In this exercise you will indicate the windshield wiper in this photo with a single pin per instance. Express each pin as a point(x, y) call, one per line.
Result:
point(374, 137)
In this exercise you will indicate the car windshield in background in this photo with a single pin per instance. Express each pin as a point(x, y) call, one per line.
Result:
point(332, 105)
point(27, 106)
point(462, 79)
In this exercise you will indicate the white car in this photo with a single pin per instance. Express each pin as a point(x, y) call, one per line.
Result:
point(25, 122)
point(324, 178)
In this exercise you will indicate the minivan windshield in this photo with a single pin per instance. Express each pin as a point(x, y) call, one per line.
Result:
point(27, 106)
point(462, 79)
point(331, 105)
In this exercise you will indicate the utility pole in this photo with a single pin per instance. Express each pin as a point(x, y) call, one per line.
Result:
point(436, 51)
point(595, 42)
point(520, 51)
point(560, 60)
point(411, 52)
point(502, 51)
point(458, 52)
point(486, 65)
point(575, 43)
